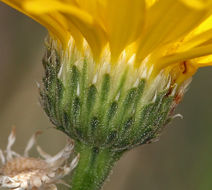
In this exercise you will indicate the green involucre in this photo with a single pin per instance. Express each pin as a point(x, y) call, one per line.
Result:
point(111, 117)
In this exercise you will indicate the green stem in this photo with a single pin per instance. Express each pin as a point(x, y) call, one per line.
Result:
point(93, 168)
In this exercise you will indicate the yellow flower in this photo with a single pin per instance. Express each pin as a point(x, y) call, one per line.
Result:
point(164, 33)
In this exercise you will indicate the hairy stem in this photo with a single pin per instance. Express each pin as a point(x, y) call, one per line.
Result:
point(93, 168)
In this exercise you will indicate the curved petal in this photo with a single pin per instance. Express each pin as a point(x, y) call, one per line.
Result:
point(54, 26)
point(198, 36)
point(198, 40)
point(204, 26)
point(184, 56)
point(92, 6)
point(150, 2)
point(121, 26)
point(198, 4)
point(83, 21)
point(124, 21)
point(167, 21)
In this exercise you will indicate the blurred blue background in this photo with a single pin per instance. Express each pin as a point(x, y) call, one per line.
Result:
point(181, 160)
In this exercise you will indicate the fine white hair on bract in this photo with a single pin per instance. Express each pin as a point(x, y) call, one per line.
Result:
point(25, 173)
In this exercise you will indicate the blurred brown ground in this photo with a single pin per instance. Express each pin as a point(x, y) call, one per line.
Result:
point(181, 160)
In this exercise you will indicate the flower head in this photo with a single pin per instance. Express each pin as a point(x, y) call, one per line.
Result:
point(24, 172)
point(116, 69)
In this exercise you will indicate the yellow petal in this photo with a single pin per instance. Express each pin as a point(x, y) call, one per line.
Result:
point(83, 21)
point(184, 56)
point(68, 29)
point(196, 41)
point(198, 36)
point(123, 20)
point(91, 6)
point(47, 6)
point(204, 61)
point(46, 20)
point(204, 26)
point(150, 2)
point(198, 4)
point(167, 21)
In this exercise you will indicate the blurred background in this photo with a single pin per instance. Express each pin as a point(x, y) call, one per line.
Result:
point(182, 159)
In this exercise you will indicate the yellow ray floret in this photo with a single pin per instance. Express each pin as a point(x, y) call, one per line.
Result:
point(148, 28)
